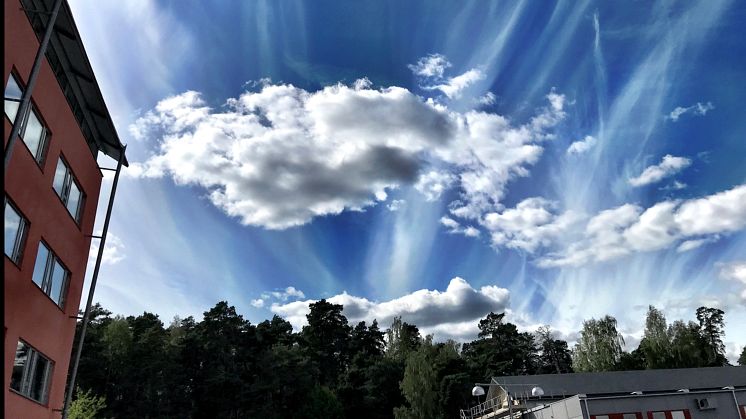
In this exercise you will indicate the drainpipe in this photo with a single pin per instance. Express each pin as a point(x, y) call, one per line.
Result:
point(25, 106)
point(92, 289)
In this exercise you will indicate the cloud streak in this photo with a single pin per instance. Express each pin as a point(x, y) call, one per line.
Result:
point(669, 166)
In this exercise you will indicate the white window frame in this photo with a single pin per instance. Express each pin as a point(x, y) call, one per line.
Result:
point(41, 147)
point(21, 234)
point(64, 194)
point(46, 282)
point(29, 372)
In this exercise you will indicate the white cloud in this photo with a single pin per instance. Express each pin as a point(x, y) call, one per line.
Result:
point(734, 271)
point(258, 302)
point(396, 204)
point(433, 183)
point(669, 166)
point(453, 87)
point(457, 308)
point(620, 231)
point(432, 65)
point(688, 245)
point(430, 70)
point(675, 186)
point(454, 227)
point(113, 250)
point(487, 99)
point(279, 157)
point(699, 109)
point(287, 293)
point(529, 225)
point(580, 147)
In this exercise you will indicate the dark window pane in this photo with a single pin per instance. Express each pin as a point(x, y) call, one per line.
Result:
point(12, 91)
point(16, 378)
point(13, 225)
point(40, 266)
point(58, 283)
point(59, 178)
point(73, 200)
point(38, 381)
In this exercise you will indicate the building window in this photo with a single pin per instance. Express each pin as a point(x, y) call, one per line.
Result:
point(33, 133)
point(670, 414)
point(31, 374)
point(68, 189)
point(636, 415)
point(16, 227)
point(50, 275)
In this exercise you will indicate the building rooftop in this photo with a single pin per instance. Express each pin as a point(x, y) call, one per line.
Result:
point(69, 61)
point(627, 381)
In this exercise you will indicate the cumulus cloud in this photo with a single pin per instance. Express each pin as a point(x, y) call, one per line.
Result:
point(113, 250)
point(487, 99)
point(580, 147)
point(734, 271)
point(669, 166)
point(258, 302)
point(279, 157)
point(454, 227)
point(432, 311)
point(529, 225)
point(688, 245)
point(699, 109)
point(287, 293)
point(626, 229)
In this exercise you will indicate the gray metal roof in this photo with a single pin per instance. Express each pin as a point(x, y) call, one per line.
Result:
point(627, 381)
point(69, 61)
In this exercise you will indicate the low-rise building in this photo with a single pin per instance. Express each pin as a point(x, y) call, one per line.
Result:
point(687, 393)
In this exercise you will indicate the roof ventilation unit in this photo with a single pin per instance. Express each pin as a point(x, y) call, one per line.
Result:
point(706, 403)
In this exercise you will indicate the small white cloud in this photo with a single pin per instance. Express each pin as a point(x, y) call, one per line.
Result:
point(487, 99)
point(688, 245)
point(113, 250)
point(675, 186)
point(396, 204)
point(669, 166)
point(431, 66)
point(258, 303)
point(580, 147)
point(453, 87)
point(432, 311)
point(454, 227)
point(699, 109)
point(734, 271)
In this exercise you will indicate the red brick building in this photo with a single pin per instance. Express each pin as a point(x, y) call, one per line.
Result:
point(52, 185)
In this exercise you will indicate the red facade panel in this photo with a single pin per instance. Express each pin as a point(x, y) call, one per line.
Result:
point(30, 315)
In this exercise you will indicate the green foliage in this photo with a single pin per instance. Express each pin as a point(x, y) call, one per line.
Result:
point(599, 347)
point(500, 350)
point(401, 339)
point(326, 339)
point(86, 405)
point(712, 329)
point(742, 358)
point(225, 367)
point(555, 356)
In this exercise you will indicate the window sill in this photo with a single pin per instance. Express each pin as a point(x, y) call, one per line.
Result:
point(12, 390)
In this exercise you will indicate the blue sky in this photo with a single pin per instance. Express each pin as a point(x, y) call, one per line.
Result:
point(432, 160)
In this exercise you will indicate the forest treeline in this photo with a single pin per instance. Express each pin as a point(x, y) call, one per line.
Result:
point(226, 367)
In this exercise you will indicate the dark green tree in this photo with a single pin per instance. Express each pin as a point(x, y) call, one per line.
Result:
point(656, 345)
point(500, 350)
point(326, 339)
point(401, 339)
point(742, 358)
point(555, 356)
point(712, 329)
